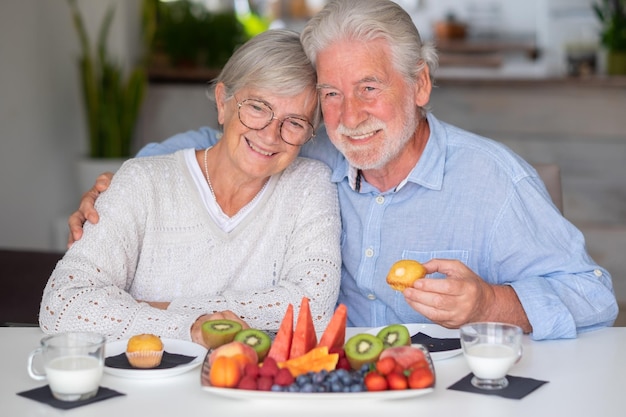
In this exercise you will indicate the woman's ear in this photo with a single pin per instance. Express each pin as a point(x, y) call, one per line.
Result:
point(220, 100)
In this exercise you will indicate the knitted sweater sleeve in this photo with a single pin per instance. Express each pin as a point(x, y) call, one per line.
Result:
point(88, 289)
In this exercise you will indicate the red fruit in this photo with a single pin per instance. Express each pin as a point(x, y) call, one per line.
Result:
point(419, 364)
point(264, 383)
point(343, 363)
point(245, 353)
point(281, 346)
point(304, 336)
point(375, 382)
point(404, 355)
point(338, 350)
point(251, 369)
point(421, 378)
point(284, 377)
point(335, 333)
point(385, 366)
point(269, 368)
point(247, 382)
point(397, 381)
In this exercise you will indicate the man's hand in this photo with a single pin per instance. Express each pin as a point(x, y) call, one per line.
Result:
point(463, 297)
point(86, 210)
point(196, 328)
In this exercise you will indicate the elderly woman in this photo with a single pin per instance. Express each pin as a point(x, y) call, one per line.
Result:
point(239, 230)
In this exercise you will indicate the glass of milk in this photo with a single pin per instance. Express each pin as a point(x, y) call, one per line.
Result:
point(491, 349)
point(71, 362)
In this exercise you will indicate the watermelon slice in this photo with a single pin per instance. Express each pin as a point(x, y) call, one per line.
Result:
point(304, 336)
point(281, 346)
point(335, 334)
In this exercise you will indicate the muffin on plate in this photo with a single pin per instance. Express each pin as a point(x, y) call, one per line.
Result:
point(144, 351)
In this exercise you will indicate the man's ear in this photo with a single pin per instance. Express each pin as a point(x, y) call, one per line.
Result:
point(220, 100)
point(424, 87)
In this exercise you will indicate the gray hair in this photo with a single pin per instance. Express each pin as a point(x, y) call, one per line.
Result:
point(367, 20)
point(273, 60)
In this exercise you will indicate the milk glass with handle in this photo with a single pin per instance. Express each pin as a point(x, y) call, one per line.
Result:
point(491, 349)
point(72, 363)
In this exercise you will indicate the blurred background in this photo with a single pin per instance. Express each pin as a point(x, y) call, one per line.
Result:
point(537, 75)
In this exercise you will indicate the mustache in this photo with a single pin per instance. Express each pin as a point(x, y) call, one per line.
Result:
point(366, 127)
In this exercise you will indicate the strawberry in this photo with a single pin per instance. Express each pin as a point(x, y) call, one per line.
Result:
point(421, 378)
point(397, 381)
point(386, 365)
point(375, 381)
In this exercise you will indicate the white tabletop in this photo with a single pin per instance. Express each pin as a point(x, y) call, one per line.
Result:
point(587, 377)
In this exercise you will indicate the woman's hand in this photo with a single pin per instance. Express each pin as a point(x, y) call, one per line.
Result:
point(196, 328)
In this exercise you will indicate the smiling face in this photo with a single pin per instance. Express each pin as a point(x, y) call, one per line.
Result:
point(370, 110)
point(260, 153)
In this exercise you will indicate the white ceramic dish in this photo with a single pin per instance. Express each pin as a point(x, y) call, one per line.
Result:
point(242, 394)
point(432, 330)
point(180, 347)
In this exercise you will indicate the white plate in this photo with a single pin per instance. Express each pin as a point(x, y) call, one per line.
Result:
point(432, 330)
point(180, 347)
point(243, 394)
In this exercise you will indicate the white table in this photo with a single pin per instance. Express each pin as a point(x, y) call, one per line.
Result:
point(587, 377)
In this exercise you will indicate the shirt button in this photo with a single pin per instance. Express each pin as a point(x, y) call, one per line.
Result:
point(371, 296)
point(369, 252)
point(380, 199)
point(597, 273)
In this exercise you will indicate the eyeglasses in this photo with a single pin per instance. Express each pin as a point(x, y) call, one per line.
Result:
point(257, 115)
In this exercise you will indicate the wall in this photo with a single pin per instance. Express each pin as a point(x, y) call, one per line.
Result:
point(42, 128)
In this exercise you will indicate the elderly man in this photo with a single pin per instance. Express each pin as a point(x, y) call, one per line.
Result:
point(412, 187)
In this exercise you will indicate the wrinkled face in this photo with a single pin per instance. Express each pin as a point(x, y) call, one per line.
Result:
point(370, 111)
point(261, 152)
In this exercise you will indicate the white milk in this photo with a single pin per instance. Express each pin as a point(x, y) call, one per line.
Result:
point(489, 361)
point(74, 374)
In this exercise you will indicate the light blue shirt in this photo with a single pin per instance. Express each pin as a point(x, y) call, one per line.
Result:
point(468, 198)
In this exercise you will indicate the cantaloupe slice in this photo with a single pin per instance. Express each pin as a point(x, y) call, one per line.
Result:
point(335, 334)
point(281, 346)
point(304, 336)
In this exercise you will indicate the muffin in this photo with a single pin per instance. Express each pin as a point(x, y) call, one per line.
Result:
point(144, 351)
point(404, 273)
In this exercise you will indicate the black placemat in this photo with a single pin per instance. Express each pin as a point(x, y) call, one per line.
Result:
point(436, 344)
point(518, 387)
point(44, 395)
point(170, 360)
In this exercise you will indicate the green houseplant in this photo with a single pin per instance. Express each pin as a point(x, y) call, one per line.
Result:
point(612, 16)
point(112, 98)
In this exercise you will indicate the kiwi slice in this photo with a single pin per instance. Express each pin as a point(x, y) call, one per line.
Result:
point(257, 339)
point(394, 335)
point(363, 348)
point(216, 333)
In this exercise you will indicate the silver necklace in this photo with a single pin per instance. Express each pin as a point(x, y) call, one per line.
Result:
point(206, 174)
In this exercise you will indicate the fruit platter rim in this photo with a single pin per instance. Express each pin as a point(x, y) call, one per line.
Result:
point(181, 347)
point(243, 394)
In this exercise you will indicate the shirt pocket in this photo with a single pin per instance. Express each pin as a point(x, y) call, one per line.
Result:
point(422, 257)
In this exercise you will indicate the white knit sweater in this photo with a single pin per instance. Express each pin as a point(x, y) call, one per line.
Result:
point(156, 242)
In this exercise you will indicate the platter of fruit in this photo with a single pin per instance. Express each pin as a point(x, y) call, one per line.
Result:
point(249, 364)
point(442, 343)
